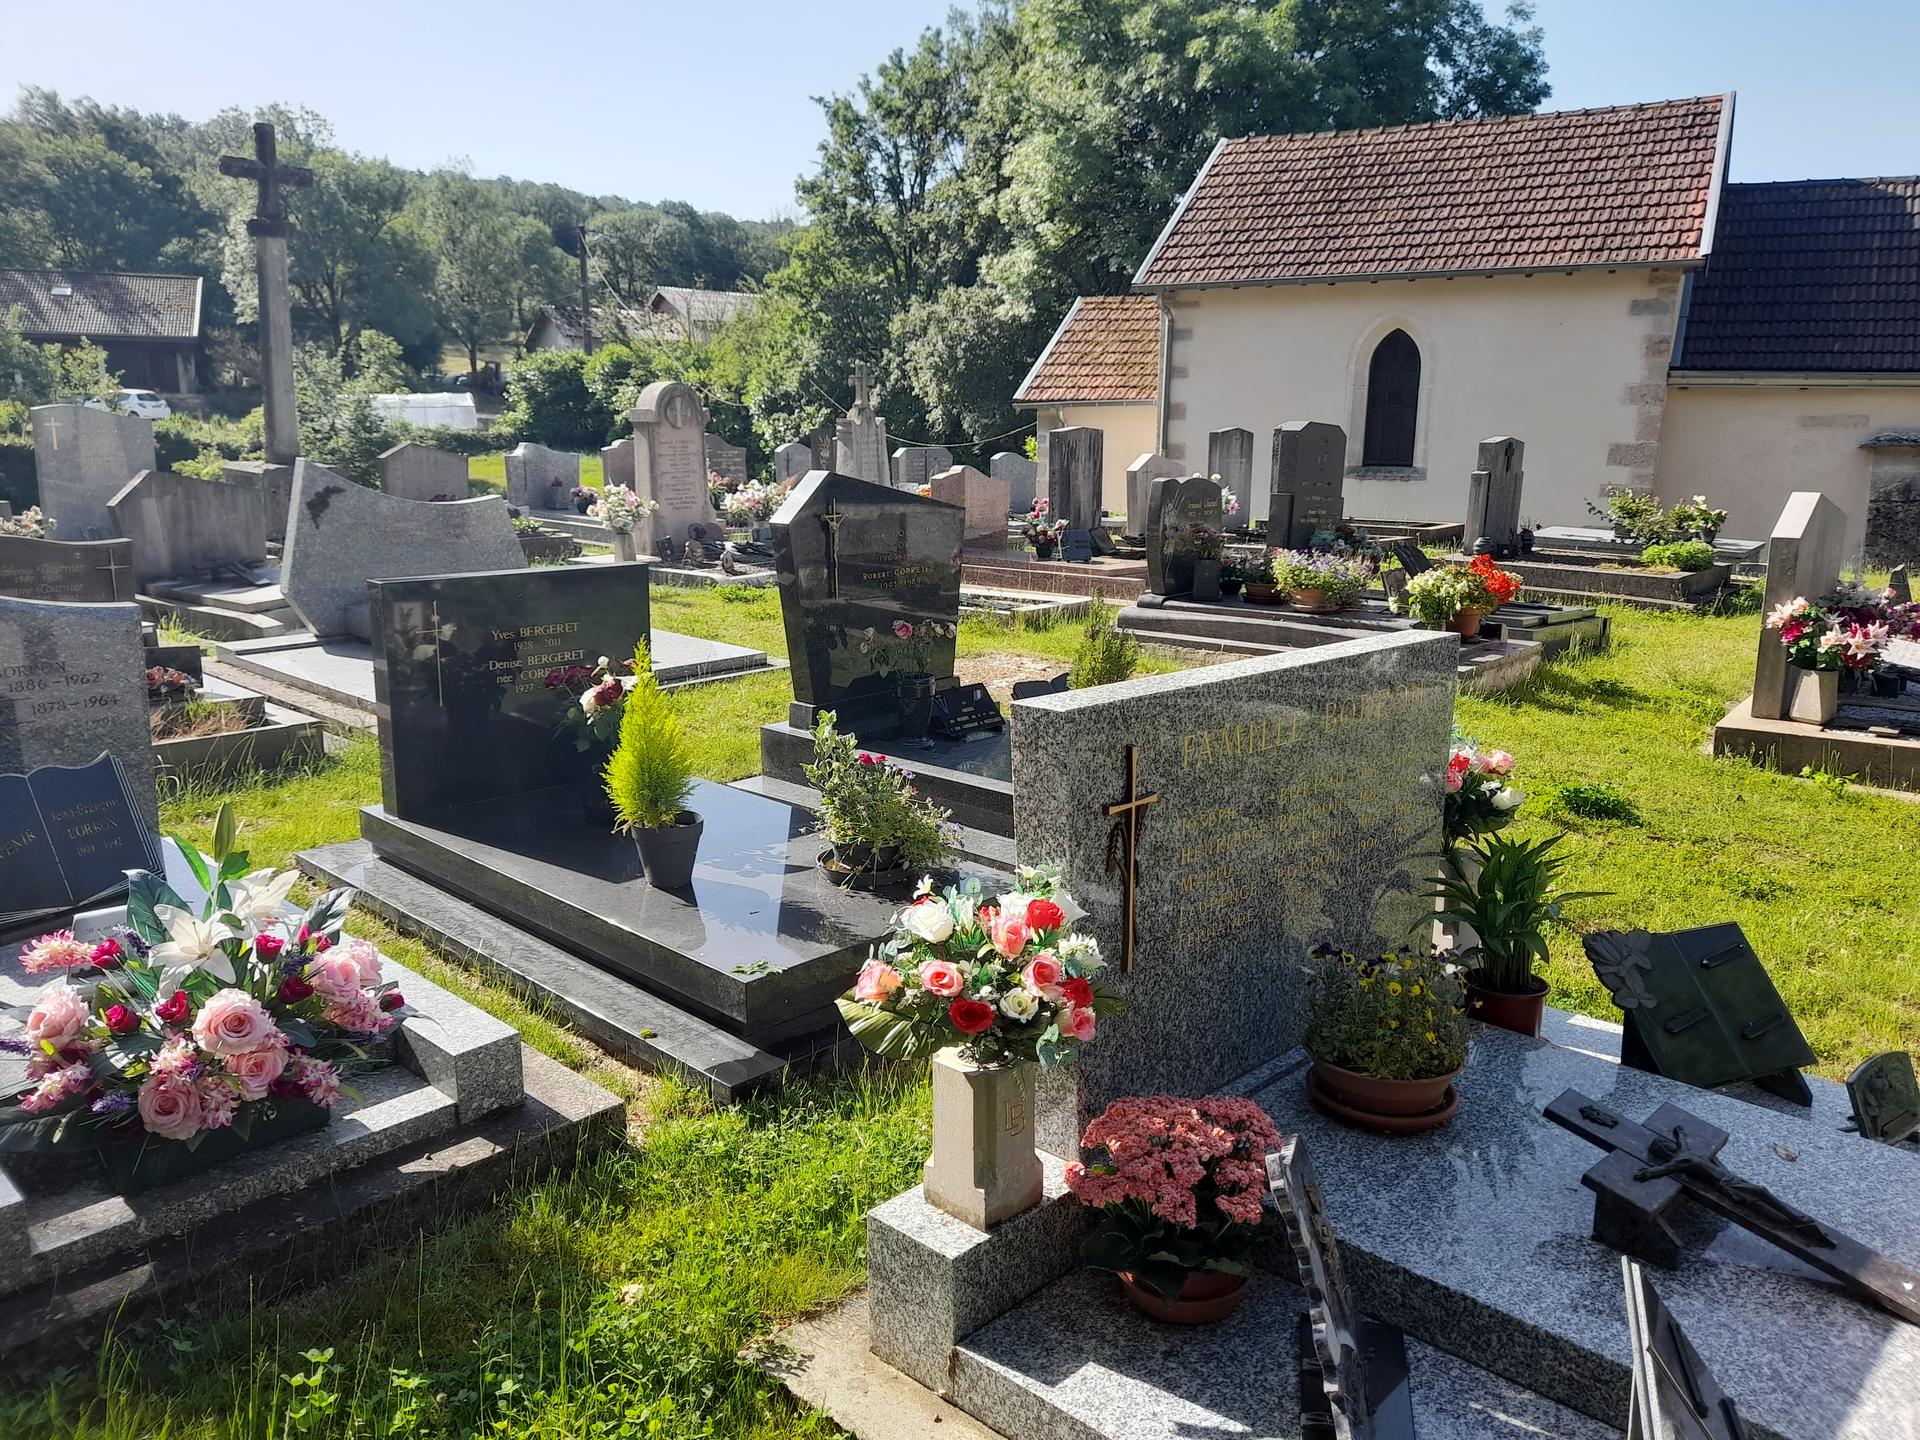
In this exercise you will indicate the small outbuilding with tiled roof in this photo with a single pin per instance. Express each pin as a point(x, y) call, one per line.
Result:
point(149, 325)
point(1102, 369)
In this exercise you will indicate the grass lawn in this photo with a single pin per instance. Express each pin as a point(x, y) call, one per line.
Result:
point(612, 1303)
point(487, 474)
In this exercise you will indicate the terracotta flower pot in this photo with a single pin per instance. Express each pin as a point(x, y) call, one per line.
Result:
point(1317, 601)
point(1205, 1297)
point(1394, 1107)
point(1520, 1012)
point(1466, 624)
point(1259, 593)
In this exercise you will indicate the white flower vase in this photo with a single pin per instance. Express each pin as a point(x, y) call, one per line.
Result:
point(1812, 695)
point(625, 547)
point(983, 1168)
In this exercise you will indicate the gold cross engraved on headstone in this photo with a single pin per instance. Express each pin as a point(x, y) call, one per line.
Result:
point(418, 639)
point(1123, 847)
point(53, 430)
point(832, 520)
point(114, 569)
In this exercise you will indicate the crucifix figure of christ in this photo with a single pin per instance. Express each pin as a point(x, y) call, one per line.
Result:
point(832, 519)
point(269, 230)
point(1123, 848)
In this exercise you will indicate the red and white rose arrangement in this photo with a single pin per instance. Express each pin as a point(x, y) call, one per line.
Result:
point(1481, 797)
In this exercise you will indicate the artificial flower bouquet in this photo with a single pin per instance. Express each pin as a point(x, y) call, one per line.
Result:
point(166, 683)
point(877, 819)
point(1339, 577)
point(1006, 980)
point(599, 695)
point(1178, 1184)
point(1480, 794)
point(31, 523)
point(1830, 633)
point(907, 647)
point(1040, 526)
point(620, 510)
point(750, 504)
point(196, 1027)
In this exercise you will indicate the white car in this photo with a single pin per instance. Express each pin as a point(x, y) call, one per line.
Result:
point(144, 403)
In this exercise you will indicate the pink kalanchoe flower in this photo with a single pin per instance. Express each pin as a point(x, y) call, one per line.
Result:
point(176, 1057)
point(315, 1079)
point(56, 950)
point(358, 1015)
point(57, 1087)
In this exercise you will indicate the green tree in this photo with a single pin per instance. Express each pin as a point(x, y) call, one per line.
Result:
point(470, 234)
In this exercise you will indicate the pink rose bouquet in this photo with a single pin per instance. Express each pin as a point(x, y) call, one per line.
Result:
point(1480, 794)
point(1005, 979)
point(189, 1022)
point(1178, 1184)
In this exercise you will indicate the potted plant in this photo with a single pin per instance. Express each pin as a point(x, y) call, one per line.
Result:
point(597, 699)
point(1233, 574)
point(1695, 519)
point(648, 777)
point(1178, 1186)
point(189, 1036)
point(1438, 597)
point(905, 653)
point(582, 499)
point(1636, 518)
point(1823, 638)
point(1388, 1038)
point(621, 511)
point(1509, 895)
point(1321, 581)
point(1259, 577)
point(1206, 544)
point(881, 826)
point(989, 989)
point(1041, 529)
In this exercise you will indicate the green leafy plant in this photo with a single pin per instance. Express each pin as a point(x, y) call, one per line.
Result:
point(869, 802)
point(1592, 800)
point(1678, 555)
point(651, 770)
point(1394, 1016)
point(1633, 515)
point(1509, 902)
point(1435, 596)
point(1106, 653)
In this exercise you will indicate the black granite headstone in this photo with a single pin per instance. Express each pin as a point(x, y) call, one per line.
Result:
point(80, 570)
point(1699, 1007)
point(1886, 1099)
point(1309, 469)
point(68, 835)
point(460, 671)
point(852, 558)
point(1174, 509)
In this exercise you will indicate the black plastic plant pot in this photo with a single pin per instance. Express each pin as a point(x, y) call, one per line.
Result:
point(144, 1161)
point(667, 854)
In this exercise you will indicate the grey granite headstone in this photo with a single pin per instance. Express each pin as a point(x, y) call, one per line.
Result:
point(1294, 798)
point(1074, 458)
point(1174, 507)
point(791, 460)
point(1493, 498)
point(616, 464)
point(1230, 456)
point(860, 437)
point(271, 480)
point(411, 471)
point(981, 496)
point(342, 535)
point(83, 459)
point(88, 571)
point(1140, 477)
point(670, 458)
point(914, 465)
point(183, 528)
point(1022, 476)
point(1309, 468)
point(72, 684)
point(531, 473)
point(726, 459)
point(1803, 558)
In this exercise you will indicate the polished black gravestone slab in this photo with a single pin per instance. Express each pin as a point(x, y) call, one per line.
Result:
point(91, 571)
point(1699, 1007)
point(460, 676)
point(852, 560)
point(760, 943)
point(1176, 509)
point(68, 834)
point(1674, 1392)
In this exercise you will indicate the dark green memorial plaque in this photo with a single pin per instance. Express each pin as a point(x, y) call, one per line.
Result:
point(1886, 1099)
point(1700, 1008)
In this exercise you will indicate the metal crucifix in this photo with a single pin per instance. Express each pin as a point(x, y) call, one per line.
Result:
point(832, 519)
point(1123, 848)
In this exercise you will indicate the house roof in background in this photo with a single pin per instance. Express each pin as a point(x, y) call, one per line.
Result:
point(708, 308)
point(1631, 185)
point(1810, 276)
point(103, 305)
point(1107, 350)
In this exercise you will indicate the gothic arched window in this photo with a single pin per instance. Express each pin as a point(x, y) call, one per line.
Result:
point(1393, 401)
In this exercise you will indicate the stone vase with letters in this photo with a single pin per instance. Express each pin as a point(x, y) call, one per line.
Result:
point(983, 1167)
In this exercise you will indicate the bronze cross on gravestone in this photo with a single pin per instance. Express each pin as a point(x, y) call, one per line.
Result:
point(1123, 847)
point(832, 520)
point(266, 171)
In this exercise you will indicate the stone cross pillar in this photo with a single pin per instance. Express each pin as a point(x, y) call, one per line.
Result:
point(269, 229)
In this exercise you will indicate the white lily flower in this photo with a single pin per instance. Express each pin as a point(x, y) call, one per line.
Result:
point(260, 899)
point(191, 944)
point(1508, 797)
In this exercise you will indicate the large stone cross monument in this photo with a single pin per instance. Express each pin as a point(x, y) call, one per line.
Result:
point(269, 229)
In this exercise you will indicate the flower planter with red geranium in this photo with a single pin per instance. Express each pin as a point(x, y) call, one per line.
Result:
point(1178, 1186)
point(1458, 597)
point(990, 989)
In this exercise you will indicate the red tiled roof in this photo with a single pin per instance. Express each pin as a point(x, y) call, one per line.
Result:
point(1625, 186)
point(1107, 349)
point(1810, 276)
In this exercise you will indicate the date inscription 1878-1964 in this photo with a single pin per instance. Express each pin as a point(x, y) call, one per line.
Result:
point(1650, 1166)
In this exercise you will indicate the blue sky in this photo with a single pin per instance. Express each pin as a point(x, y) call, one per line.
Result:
point(709, 102)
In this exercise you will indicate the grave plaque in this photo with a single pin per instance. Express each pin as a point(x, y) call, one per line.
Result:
point(1675, 1396)
point(726, 459)
point(1493, 499)
point(68, 834)
point(966, 710)
point(1699, 1007)
point(670, 460)
point(914, 465)
point(88, 571)
point(1230, 456)
point(1140, 477)
point(1886, 1100)
point(460, 677)
point(1309, 468)
point(1175, 510)
point(1022, 477)
point(184, 528)
point(84, 457)
point(852, 558)
point(1074, 458)
point(1412, 558)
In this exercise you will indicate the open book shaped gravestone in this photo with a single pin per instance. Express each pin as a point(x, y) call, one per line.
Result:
point(1886, 1099)
point(1675, 1396)
point(1650, 1167)
point(1412, 558)
point(1700, 1008)
point(1353, 1371)
point(68, 835)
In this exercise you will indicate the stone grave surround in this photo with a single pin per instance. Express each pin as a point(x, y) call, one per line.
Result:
point(1493, 497)
point(83, 458)
point(1309, 469)
point(850, 556)
point(914, 465)
point(1074, 454)
point(87, 571)
point(183, 528)
point(72, 684)
point(983, 498)
point(411, 471)
point(670, 459)
point(1140, 477)
point(726, 458)
point(531, 471)
point(342, 535)
point(1803, 558)
point(1022, 476)
point(1174, 505)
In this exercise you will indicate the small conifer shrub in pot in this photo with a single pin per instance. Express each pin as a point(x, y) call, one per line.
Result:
point(648, 778)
